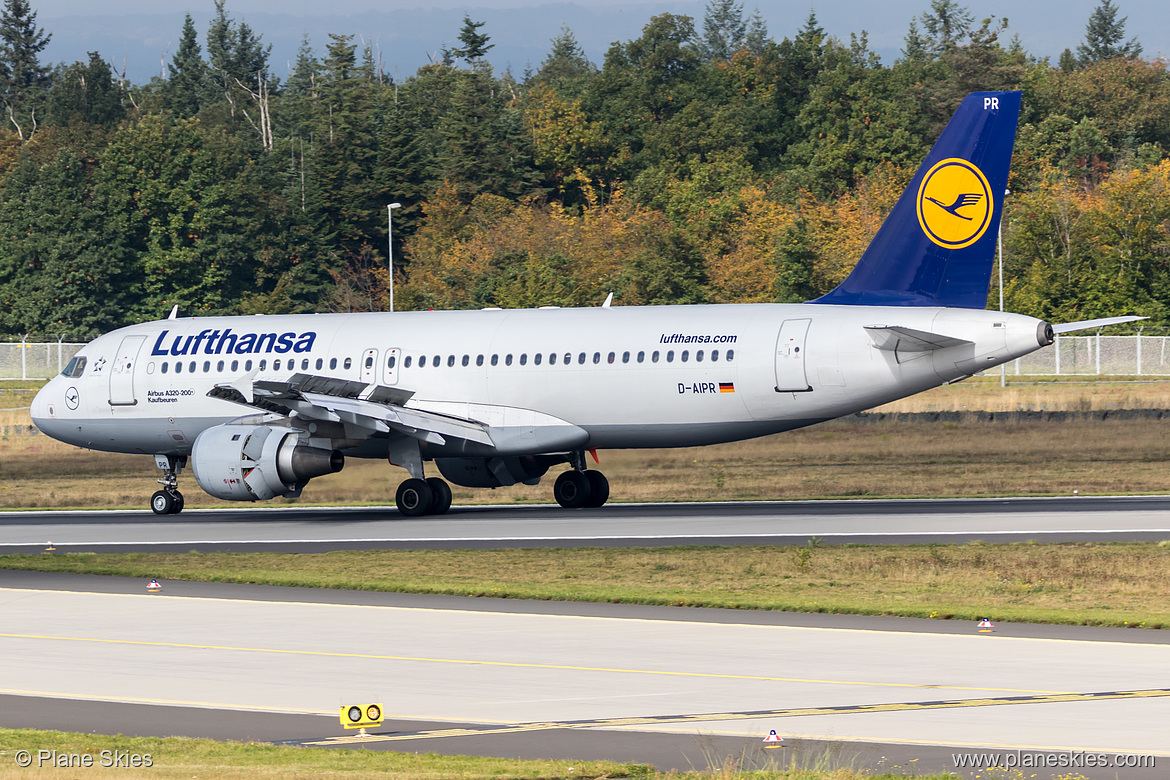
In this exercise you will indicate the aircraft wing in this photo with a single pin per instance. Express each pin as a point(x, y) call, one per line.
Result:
point(377, 408)
point(1069, 327)
point(895, 338)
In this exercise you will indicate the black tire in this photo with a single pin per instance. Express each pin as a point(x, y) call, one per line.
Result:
point(598, 489)
point(179, 503)
point(441, 496)
point(413, 498)
point(162, 503)
point(571, 490)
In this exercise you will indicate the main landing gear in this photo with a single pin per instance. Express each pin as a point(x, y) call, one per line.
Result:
point(417, 497)
point(579, 488)
point(168, 501)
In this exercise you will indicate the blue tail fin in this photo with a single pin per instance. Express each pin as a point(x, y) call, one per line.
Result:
point(937, 246)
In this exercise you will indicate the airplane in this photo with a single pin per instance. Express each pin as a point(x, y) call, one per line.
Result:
point(263, 404)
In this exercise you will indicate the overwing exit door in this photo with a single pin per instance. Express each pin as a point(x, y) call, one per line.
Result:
point(790, 357)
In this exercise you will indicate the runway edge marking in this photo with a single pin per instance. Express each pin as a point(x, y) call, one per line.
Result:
point(789, 713)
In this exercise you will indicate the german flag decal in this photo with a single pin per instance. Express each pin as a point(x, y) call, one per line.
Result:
point(727, 387)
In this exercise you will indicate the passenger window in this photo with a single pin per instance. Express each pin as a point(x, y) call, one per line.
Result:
point(333, 363)
point(685, 354)
point(730, 355)
point(450, 361)
point(610, 358)
point(625, 357)
point(164, 367)
point(552, 358)
point(219, 366)
point(422, 361)
point(321, 363)
point(178, 367)
point(406, 363)
point(641, 356)
point(235, 365)
point(369, 361)
point(248, 365)
point(437, 361)
point(191, 367)
point(275, 365)
point(479, 360)
point(206, 366)
point(305, 364)
point(670, 356)
point(348, 364)
point(714, 356)
point(596, 357)
point(495, 360)
point(390, 361)
point(523, 358)
point(466, 360)
point(654, 356)
point(699, 356)
point(581, 358)
point(508, 359)
point(536, 358)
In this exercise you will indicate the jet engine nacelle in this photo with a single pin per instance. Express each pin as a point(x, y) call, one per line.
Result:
point(495, 472)
point(258, 462)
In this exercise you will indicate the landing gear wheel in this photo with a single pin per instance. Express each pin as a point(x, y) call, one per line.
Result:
point(178, 503)
point(414, 497)
point(571, 490)
point(162, 503)
point(598, 489)
point(441, 496)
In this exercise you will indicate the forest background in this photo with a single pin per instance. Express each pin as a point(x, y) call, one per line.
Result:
point(700, 163)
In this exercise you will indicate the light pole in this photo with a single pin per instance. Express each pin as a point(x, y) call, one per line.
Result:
point(390, 253)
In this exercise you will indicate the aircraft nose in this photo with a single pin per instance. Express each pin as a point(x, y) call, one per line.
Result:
point(40, 408)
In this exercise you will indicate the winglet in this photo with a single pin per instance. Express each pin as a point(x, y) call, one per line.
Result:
point(937, 246)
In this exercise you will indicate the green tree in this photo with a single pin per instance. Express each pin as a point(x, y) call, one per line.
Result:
point(475, 44)
point(1104, 34)
point(23, 79)
point(566, 64)
point(66, 270)
point(85, 92)
point(724, 30)
point(188, 87)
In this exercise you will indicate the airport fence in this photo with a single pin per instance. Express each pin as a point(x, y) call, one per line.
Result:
point(35, 360)
point(1095, 355)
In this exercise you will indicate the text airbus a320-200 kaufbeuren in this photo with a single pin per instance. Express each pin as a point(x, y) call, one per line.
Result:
point(262, 405)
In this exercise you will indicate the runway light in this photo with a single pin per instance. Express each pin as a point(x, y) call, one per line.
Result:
point(153, 586)
point(985, 626)
point(773, 740)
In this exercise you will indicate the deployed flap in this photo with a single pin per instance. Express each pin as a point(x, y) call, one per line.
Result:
point(895, 338)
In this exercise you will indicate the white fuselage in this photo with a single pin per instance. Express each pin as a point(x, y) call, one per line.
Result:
point(660, 376)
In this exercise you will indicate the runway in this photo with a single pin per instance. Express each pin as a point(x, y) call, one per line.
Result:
point(294, 529)
point(668, 686)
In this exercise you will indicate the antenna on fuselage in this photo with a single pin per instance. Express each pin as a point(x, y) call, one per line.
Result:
point(174, 315)
point(608, 301)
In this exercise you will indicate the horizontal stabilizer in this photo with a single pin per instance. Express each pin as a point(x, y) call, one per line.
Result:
point(1069, 327)
point(895, 338)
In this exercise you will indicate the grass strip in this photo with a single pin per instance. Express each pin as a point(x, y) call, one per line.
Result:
point(178, 757)
point(1114, 584)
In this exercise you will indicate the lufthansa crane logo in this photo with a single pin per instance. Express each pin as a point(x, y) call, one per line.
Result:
point(954, 203)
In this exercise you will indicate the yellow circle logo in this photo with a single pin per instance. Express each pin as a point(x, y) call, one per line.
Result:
point(954, 204)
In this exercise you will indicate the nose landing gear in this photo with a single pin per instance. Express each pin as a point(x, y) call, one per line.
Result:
point(168, 501)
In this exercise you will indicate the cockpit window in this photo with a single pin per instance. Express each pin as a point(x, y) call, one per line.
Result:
point(75, 368)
